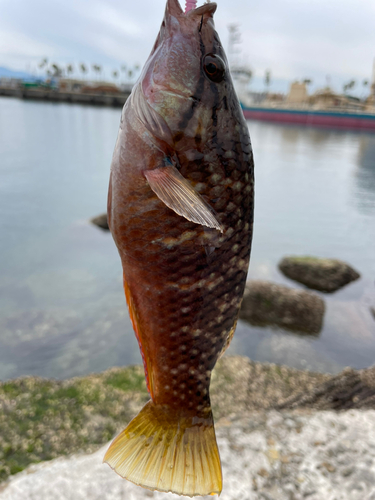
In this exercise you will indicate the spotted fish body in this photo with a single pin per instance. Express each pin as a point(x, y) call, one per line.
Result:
point(180, 209)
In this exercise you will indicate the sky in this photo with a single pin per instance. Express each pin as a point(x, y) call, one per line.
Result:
point(323, 40)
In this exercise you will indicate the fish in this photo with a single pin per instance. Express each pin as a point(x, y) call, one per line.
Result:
point(180, 210)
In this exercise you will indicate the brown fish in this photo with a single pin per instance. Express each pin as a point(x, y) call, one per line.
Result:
point(180, 209)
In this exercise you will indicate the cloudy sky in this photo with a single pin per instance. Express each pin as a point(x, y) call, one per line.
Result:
point(293, 38)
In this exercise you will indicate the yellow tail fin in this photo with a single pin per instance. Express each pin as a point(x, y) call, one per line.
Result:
point(166, 450)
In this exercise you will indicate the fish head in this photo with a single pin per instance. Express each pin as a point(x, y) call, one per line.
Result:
point(186, 75)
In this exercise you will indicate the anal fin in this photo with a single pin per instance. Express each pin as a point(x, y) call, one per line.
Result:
point(228, 339)
point(177, 193)
point(138, 333)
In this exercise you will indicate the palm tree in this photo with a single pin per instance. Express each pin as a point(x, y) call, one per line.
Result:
point(365, 84)
point(83, 69)
point(267, 79)
point(98, 69)
point(43, 63)
point(123, 70)
point(349, 85)
point(137, 68)
point(57, 72)
point(69, 69)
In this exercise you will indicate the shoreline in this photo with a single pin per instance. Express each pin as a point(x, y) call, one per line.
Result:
point(42, 419)
point(116, 100)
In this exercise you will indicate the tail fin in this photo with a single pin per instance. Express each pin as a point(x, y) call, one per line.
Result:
point(163, 449)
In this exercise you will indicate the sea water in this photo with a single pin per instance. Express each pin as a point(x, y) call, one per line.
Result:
point(62, 308)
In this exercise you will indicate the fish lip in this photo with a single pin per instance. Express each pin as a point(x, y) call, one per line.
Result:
point(207, 8)
point(174, 8)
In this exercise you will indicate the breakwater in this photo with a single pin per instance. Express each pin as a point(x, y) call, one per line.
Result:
point(51, 95)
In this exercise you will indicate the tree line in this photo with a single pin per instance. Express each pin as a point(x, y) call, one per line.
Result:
point(54, 70)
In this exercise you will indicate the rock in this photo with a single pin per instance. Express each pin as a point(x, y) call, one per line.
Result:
point(328, 466)
point(247, 472)
point(53, 417)
point(265, 402)
point(101, 221)
point(267, 303)
point(348, 390)
point(325, 275)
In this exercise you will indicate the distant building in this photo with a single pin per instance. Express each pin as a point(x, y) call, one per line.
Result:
point(274, 98)
point(326, 98)
point(10, 83)
point(71, 85)
point(297, 93)
point(100, 88)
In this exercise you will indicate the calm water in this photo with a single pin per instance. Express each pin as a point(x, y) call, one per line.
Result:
point(62, 311)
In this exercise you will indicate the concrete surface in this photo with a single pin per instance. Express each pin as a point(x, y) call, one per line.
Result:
point(289, 455)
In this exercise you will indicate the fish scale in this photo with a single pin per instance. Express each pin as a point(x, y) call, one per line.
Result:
point(180, 210)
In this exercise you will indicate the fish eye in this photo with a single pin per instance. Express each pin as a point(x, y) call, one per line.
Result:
point(214, 67)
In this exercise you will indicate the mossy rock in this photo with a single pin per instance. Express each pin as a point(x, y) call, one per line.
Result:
point(267, 303)
point(42, 419)
point(325, 275)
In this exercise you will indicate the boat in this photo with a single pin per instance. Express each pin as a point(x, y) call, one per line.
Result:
point(324, 108)
point(311, 117)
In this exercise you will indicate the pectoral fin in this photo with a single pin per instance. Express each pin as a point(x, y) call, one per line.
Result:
point(176, 192)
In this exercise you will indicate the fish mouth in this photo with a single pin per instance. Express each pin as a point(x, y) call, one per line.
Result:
point(208, 8)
